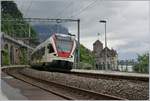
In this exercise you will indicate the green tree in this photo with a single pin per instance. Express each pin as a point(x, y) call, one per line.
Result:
point(86, 58)
point(142, 64)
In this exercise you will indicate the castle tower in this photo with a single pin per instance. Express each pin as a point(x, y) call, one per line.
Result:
point(97, 47)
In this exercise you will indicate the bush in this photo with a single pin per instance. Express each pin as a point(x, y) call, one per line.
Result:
point(85, 66)
point(23, 57)
point(142, 66)
point(5, 57)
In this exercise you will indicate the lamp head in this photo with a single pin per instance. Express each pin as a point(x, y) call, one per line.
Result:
point(102, 21)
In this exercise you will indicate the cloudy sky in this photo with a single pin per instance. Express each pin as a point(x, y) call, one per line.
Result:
point(127, 21)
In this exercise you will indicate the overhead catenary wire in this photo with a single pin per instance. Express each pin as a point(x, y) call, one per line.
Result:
point(58, 15)
point(62, 11)
point(84, 9)
point(29, 7)
point(20, 5)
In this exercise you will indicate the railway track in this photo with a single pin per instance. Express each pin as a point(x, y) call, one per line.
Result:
point(67, 92)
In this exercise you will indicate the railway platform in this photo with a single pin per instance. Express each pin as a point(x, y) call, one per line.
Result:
point(113, 73)
point(13, 89)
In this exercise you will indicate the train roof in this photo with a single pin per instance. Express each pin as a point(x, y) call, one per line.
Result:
point(60, 34)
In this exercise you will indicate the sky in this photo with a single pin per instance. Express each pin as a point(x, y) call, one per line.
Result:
point(127, 24)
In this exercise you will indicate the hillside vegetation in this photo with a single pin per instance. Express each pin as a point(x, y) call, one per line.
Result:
point(19, 29)
point(16, 29)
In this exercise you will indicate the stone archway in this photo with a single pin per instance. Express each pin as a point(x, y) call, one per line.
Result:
point(5, 60)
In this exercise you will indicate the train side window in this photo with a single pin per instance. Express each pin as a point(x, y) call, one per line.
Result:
point(50, 47)
point(42, 51)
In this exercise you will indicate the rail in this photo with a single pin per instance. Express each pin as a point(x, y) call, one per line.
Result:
point(67, 92)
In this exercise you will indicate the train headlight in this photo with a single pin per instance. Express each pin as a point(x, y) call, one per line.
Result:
point(55, 54)
point(71, 56)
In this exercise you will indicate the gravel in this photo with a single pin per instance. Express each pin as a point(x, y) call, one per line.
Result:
point(122, 88)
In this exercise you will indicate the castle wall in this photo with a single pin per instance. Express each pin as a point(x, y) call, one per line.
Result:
point(99, 53)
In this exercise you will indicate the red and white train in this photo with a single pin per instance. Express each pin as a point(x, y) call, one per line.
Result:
point(56, 52)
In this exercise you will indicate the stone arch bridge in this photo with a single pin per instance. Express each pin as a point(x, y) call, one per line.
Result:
point(14, 52)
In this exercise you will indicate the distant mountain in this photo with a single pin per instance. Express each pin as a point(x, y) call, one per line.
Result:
point(45, 31)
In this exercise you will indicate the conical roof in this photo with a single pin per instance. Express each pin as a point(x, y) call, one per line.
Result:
point(97, 42)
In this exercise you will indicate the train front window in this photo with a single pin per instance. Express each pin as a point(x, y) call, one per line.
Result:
point(64, 45)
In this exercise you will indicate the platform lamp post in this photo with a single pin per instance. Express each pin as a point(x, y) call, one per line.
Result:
point(29, 54)
point(106, 66)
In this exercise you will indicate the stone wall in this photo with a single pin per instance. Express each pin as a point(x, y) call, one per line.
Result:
point(11, 52)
